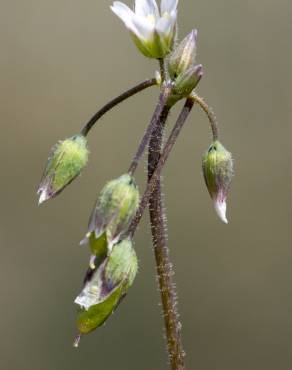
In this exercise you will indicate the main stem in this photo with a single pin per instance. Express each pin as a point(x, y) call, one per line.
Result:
point(160, 108)
point(163, 158)
point(163, 264)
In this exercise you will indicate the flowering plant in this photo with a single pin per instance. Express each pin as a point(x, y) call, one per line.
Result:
point(117, 212)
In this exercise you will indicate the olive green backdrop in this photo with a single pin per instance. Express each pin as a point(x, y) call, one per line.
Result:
point(59, 62)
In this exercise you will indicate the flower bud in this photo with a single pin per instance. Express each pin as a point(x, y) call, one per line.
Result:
point(106, 288)
point(184, 56)
point(114, 210)
point(187, 81)
point(218, 172)
point(66, 161)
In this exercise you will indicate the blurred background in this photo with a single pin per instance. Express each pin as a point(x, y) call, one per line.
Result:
point(62, 60)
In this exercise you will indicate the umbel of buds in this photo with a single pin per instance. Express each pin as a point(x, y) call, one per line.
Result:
point(106, 287)
point(67, 159)
point(152, 29)
point(182, 68)
point(112, 213)
point(218, 172)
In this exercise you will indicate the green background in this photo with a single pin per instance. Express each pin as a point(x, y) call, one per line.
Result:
point(62, 60)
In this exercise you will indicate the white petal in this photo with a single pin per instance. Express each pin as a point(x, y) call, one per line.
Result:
point(143, 28)
point(123, 12)
point(140, 26)
point(146, 7)
point(43, 196)
point(168, 6)
point(167, 22)
point(165, 26)
point(220, 208)
point(173, 16)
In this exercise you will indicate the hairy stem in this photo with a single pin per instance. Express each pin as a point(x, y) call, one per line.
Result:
point(162, 69)
point(163, 264)
point(161, 106)
point(210, 114)
point(127, 94)
point(162, 160)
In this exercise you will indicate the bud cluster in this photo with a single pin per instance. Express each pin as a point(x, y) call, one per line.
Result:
point(182, 68)
point(113, 265)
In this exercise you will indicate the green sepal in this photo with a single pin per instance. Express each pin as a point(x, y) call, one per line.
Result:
point(122, 264)
point(184, 56)
point(186, 82)
point(217, 168)
point(158, 46)
point(96, 315)
point(98, 246)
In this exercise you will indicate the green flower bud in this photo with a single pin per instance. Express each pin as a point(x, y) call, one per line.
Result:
point(187, 81)
point(114, 210)
point(106, 287)
point(184, 55)
point(218, 172)
point(182, 68)
point(66, 161)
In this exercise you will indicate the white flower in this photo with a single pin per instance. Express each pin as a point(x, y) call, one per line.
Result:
point(153, 30)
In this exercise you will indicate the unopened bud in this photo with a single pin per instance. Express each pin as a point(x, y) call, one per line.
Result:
point(184, 56)
point(114, 209)
point(66, 161)
point(184, 73)
point(218, 172)
point(107, 286)
point(187, 81)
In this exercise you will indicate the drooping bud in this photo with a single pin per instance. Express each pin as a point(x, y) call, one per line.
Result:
point(66, 161)
point(113, 211)
point(218, 172)
point(184, 56)
point(106, 288)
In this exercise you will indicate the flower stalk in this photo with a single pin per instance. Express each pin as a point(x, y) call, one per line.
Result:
point(119, 99)
point(162, 160)
point(210, 114)
point(161, 109)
